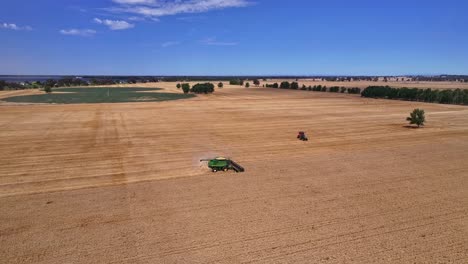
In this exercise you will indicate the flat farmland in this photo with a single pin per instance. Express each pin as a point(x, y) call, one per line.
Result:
point(122, 182)
point(365, 84)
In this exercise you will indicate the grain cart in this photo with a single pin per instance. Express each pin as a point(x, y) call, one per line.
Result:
point(223, 164)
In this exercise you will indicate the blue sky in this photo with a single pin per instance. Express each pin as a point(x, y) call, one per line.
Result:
point(233, 37)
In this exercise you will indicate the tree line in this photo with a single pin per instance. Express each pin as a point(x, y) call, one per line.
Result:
point(199, 88)
point(315, 88)
point(457, 96)
point(11, 86)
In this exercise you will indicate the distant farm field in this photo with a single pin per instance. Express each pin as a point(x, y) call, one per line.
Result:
point(364, 84)
point(92, 95)
point(123, 183)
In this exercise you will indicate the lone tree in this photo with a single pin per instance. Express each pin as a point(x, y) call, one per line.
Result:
point(220, 85)
point(186, 88)
point(247, 85)
point(178, 86)
point(48, 89)
point(417, 117)
point(256, 82)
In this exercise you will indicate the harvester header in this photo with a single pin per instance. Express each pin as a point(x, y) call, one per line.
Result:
point(223, 164)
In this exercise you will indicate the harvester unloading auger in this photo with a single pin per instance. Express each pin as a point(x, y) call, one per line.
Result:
point(223, 164)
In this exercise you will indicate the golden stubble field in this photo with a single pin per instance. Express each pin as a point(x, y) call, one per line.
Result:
point(121, 183)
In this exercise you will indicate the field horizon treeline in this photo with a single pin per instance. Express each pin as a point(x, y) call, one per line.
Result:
point(445, 96)
point(428, 95)
point(315, 88)
point(68, 81)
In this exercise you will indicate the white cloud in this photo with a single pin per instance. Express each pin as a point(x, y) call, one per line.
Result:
point(170, 43)
point(14, 26)
point(135, 18)
point(78, 32)
point(151, 8)
point(114, 24)
point(215, 42)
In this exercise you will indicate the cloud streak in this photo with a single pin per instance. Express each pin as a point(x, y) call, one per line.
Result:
point(114, 24)
point(14, 26)
point(155, 9)
point(215, 42)
point(78, 32)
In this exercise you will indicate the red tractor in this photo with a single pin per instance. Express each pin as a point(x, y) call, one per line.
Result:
point(302, 136)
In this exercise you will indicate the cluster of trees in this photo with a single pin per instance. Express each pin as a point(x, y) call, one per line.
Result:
point(199, 88)
point(203, 88)
point(316, 88)
point(354, 90)
point(287, 85)
point(457, 96)
point(242, 82)
point(10, 86)
point(236, 82)
point(67, 82)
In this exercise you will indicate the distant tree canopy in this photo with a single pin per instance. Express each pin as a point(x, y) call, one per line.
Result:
point(247, 85)
point(203, 88)
point(178, 86)
point(275, 85)
point(220, 85)
point(105, 81)
point(317, 88)
point(71, 81)
point(236, 82)
point(186, 88)
point(417, 117)
point(334, 89)
point(285, 85)
point(3, 85)
point(256, 82)
point(294, 85)
point(354, 90)
point(446, 96)
point(50, 83)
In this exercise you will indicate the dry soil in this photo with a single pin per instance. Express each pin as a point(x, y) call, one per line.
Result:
point(122, 183)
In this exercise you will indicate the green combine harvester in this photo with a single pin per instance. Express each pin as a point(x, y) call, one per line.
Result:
point(223, 164)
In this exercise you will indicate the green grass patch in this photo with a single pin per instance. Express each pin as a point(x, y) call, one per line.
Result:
point(95, 95)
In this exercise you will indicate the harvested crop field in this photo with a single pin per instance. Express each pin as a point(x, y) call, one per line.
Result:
point(122, 183)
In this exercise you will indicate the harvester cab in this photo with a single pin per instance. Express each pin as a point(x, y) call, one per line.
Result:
point(302, 136)
point(223, 164)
